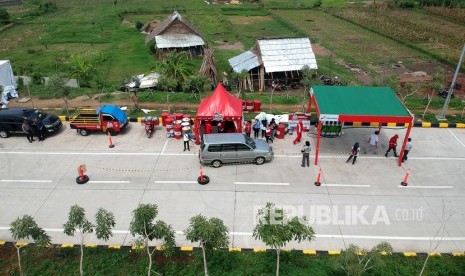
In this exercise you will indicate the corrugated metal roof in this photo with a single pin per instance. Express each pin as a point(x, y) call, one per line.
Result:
point(244, 61)
point(178, 40)
point(288, 54)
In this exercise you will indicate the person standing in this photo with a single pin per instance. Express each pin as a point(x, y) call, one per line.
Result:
point(28, 130)
point(306, 154)
point(208, 127)
point(186, 138)
point(256, 128)
point(248, 128)
point(298, 129)
point(268, 133)
point(392, 145)
point(274, 128)
point(373, 140)
point(202, 130)
point(263, 127)
point(40, 129)
point(354, 153)
point(407, 149)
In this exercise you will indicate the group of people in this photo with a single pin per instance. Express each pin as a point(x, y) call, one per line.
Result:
point(373, 143)
point(268, 130)
point(36, 129)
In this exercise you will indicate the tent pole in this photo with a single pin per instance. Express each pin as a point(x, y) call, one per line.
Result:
point(401, 154)
point(318, 142)
point(196, 131)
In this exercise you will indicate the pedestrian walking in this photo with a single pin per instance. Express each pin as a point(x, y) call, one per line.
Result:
point(407, 149)
point(248, 128)
point(256, 128)
point(28, 130)
point(186, 138)
point(299, 129)
point(373, 141)
point(268, 133)
point(354, 152)
point(392, 145)
point(306, 154)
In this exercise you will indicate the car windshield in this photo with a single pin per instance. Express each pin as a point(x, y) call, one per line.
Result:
point(34, 113)
point(250, 142)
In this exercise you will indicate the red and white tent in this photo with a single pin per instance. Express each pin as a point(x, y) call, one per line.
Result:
point(220, 105)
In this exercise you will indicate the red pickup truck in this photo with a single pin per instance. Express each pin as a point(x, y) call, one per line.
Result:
point(107, 118)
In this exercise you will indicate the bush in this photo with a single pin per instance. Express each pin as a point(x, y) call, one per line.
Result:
point(167, 84)
point(195, 83)
point(37, 78)
point(139, 25)
point(4, 16)
point(407, 4)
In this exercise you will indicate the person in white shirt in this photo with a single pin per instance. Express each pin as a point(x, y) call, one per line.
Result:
point(373, 140)
point(186, 138)
point(408, 147)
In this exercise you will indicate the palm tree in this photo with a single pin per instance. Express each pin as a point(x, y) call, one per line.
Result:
point(175, 66)
point(83, 70)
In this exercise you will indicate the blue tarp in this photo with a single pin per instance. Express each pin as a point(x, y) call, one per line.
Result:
point(115, 112)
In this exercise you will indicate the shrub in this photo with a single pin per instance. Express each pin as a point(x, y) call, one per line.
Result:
point(139, 25)
point(167, 84)
point(37, 78)
point(195, 83)
point(4, 16)
point(407, 4)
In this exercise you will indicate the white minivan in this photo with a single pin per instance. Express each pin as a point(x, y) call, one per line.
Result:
point(223, 148)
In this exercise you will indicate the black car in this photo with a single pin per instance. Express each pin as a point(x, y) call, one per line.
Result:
point(11, 120)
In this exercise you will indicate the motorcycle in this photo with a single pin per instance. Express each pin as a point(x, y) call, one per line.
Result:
point(149, 124)
point(278, 86)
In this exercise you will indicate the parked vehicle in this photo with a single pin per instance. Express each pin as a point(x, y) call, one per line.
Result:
point(149, 124)
point(11, 120)
point(107, 118)
point(277, 85)
point(223, 148)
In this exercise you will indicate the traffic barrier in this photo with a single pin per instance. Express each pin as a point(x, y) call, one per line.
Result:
point(111, 141)
point(317, 182)
point(404, 183)
point(82, 178)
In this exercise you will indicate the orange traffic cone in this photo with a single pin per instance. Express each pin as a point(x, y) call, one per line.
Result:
point(404, 183)
point(317, 182)
point(202, 179)
point(111, 141)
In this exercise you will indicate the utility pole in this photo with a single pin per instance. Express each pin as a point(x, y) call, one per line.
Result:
point(451, 88)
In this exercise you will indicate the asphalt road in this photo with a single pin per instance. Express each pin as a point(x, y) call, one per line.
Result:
point(362, 204)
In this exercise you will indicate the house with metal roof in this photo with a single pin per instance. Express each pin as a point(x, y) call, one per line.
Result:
point(176, 33)
point(271, 59)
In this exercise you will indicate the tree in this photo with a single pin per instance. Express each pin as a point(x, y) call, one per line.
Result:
point(439, 77)
point(143, 226)
point(26, 228)
point(83, 70)
point(195, 84)
point(174, 66)
point(211, 233)
point(276, 229)
point(57, 84)
point(77, 222)
point(356, 261)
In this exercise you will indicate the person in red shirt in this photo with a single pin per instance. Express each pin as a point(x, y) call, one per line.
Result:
point(208, 127)
point(299, 128)
point(392, 145)
point(268, 133)
point(248, 128)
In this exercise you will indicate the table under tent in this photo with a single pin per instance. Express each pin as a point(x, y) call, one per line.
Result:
point(336, 105)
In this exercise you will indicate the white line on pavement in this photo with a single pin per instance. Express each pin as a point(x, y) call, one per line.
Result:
point(174, 182)
point(26, 181)
point(346, 185)
point(262, 183)
point(323, 236)
point(109, 181)
point(426, 187)
point(456, 138)
point(164, 147)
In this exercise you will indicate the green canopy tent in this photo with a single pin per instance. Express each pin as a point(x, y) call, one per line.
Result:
point(358, 104)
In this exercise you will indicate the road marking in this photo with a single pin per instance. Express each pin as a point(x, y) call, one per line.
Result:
point(346, 185)
point(262, 183)
point(109, 181)
point(175, 182)
point(26, 181)
point(426, 187)
point(164, 147)
point(456, 138)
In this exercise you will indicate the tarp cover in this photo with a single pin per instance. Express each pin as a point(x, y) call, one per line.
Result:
point(6, 74)
point(220, 102)
point(115, 112)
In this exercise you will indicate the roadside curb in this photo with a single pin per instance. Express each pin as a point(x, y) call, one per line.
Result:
point(310, 252)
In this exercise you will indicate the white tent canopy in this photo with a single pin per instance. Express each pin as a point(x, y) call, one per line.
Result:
point(7, 77)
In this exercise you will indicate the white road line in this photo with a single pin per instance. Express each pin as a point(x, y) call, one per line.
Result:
point(322, 236)
point(456, 138)
point(346, 185)
point(175, 182)
point(25, 181)
point(164, 147)
point(109, 181)
point(262, 183)
point(426, 187)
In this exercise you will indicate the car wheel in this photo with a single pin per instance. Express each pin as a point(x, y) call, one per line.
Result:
point(216, 163)
point(4, 133)
point(260, 160)
point(83, 132)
